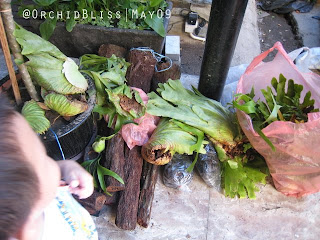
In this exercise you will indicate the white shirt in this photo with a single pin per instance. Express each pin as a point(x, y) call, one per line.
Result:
point(66, 219)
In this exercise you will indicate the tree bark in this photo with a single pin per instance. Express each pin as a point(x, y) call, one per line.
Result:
point(107, 50)
point(148, 181)
point(162, 77)
point(9, 26)
point(94, 203)
point(141, 69)
point(115, 161)
point(127, 210)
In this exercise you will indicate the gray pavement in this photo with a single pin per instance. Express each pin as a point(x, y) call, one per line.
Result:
point(309, 27)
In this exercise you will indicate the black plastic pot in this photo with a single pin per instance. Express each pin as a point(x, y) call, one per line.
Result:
point(75, 136)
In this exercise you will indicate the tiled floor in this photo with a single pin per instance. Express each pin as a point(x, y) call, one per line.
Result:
point(201, 213)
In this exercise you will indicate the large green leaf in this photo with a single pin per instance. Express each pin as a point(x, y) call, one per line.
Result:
point(35, 116)
point(33, 44)
point(195, 110)
point(49, 67)
point(156, 24)
point(171, 137)
point(62, 105)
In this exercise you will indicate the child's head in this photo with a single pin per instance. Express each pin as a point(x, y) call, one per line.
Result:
point(28, 177)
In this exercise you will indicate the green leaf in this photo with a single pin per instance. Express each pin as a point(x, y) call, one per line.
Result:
point(200, 112)
point(248, 107)
point(101, 179)
point(172, 136)
point(233, 164)
point(73, 76)
point(47, 28)
point(110, 173)
point(44, 3)
point(241, 181)
point(274, 114)
point(35, 116)
point(256, 127)
point(154, 3)
point(156, 24)
point(62, 105)
point(70, 23)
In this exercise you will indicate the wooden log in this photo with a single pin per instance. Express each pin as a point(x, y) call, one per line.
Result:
point(94, 203)
point(148, 181)
point(162, 77)
point(115, 161)
point(7, 57)
point(112, 200)
point(126, 217)
point(141, 70)
point(106, 50)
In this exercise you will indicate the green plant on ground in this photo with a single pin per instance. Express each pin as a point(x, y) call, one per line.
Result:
point(240, 169)
point(132, 14)
point(279, 106)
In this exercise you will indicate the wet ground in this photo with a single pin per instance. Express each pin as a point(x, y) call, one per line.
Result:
point(276, 27)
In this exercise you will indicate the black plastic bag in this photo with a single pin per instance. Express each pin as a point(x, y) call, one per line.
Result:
point(175, 173)
point(286, 6)
point(208, 166)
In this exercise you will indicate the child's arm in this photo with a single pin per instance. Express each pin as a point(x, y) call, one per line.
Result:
point(78, 179)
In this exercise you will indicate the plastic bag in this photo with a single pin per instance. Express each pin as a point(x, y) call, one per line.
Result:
point(295, 165)
point(286, 6)
point(208, 166)
point(175, 173)
point(139, 134)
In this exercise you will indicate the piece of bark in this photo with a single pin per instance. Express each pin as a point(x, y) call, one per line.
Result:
point(173, 73)
point(148, 181)
point(126, 217)
point(115, 161)
point(141, 70)
point(106, 50)
point(112, 200)
point(94, 203)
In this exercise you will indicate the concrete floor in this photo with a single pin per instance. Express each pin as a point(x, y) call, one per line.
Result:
point(198, 212)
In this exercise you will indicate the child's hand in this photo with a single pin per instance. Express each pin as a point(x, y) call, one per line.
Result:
point(78, 179)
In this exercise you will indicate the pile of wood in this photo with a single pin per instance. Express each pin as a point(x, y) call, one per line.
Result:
point(134, 200)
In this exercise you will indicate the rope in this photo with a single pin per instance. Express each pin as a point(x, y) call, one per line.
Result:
point(156, 55)
point(59, 145)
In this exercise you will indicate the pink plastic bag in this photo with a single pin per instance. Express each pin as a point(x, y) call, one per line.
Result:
point(295, 165)
point(138, 135)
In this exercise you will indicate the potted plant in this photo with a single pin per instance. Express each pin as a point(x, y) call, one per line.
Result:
point(64, 117)
point(80, 27)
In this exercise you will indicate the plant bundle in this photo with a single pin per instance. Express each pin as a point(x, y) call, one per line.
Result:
point(170, 137)
point(239, 161)
point(114, 98)
point(62, 85)
point(130, 14)
point(279, 106)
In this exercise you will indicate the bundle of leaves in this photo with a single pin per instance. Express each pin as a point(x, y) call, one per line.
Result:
point(279, 106)
point(62, 86)
point(131, 14)
point(114, 98)
point(241, 171)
